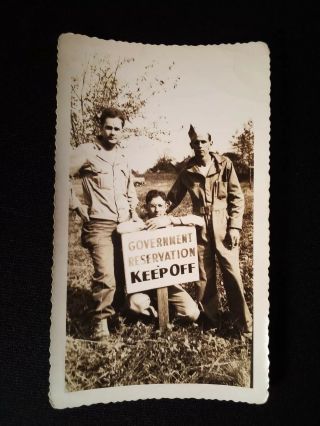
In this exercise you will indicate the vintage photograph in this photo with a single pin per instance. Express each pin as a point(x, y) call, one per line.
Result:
point(161, 252)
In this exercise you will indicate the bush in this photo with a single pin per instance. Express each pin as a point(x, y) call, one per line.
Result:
point(163, 164)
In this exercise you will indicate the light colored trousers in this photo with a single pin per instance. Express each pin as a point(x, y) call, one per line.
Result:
point(104, 244)
point(209, 246)
point(185, 307)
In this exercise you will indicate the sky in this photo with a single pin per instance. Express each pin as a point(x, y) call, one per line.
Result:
point(219, 89)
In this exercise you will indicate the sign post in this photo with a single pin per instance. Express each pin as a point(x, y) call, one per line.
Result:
point(163, 308)
point(158, 259)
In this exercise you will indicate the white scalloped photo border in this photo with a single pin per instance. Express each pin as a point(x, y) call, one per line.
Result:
point(67, 50)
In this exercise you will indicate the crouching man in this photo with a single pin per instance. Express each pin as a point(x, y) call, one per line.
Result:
point(143, 303)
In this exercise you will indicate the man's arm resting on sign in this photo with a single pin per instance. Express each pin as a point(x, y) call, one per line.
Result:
point(192, 219)
point(163, 221)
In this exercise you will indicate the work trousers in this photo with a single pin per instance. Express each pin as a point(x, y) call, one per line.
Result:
point(212, 245)
point(104, 244)
point(184, 306)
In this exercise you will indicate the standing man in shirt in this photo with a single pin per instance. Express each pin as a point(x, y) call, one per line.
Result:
point(216, 195)
point(109, 199)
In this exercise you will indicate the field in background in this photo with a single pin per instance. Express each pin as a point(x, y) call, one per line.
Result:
point(137, 353)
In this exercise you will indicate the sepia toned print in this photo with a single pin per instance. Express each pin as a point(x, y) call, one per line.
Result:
point(160, 273)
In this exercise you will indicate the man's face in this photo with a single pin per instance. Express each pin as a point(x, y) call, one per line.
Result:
point(157, 207)
point(201, 147)
point(112, 130)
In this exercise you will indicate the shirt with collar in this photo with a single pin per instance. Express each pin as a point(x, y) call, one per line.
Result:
point(107, 181)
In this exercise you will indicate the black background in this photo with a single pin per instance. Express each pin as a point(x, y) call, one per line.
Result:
point(28, 68)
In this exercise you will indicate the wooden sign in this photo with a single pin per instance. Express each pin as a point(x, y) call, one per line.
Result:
point(160, 258)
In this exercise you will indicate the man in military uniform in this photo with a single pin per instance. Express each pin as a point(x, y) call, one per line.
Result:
point(109, 199)
point(216, 195)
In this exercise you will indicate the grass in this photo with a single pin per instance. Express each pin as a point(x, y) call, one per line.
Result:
point(137, 353)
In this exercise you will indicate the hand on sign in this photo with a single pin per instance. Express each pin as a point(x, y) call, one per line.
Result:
point(158, 222)
point(232, 238)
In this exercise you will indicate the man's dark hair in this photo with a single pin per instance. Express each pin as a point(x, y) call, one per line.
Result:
point(155, 193)
point(111, 112)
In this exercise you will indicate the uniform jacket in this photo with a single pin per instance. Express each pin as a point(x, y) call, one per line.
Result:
point(218, 195)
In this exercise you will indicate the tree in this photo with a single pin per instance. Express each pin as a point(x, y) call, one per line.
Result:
point(99, 85)
point(163, 164)
point(243, 145)
point(241, 169)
